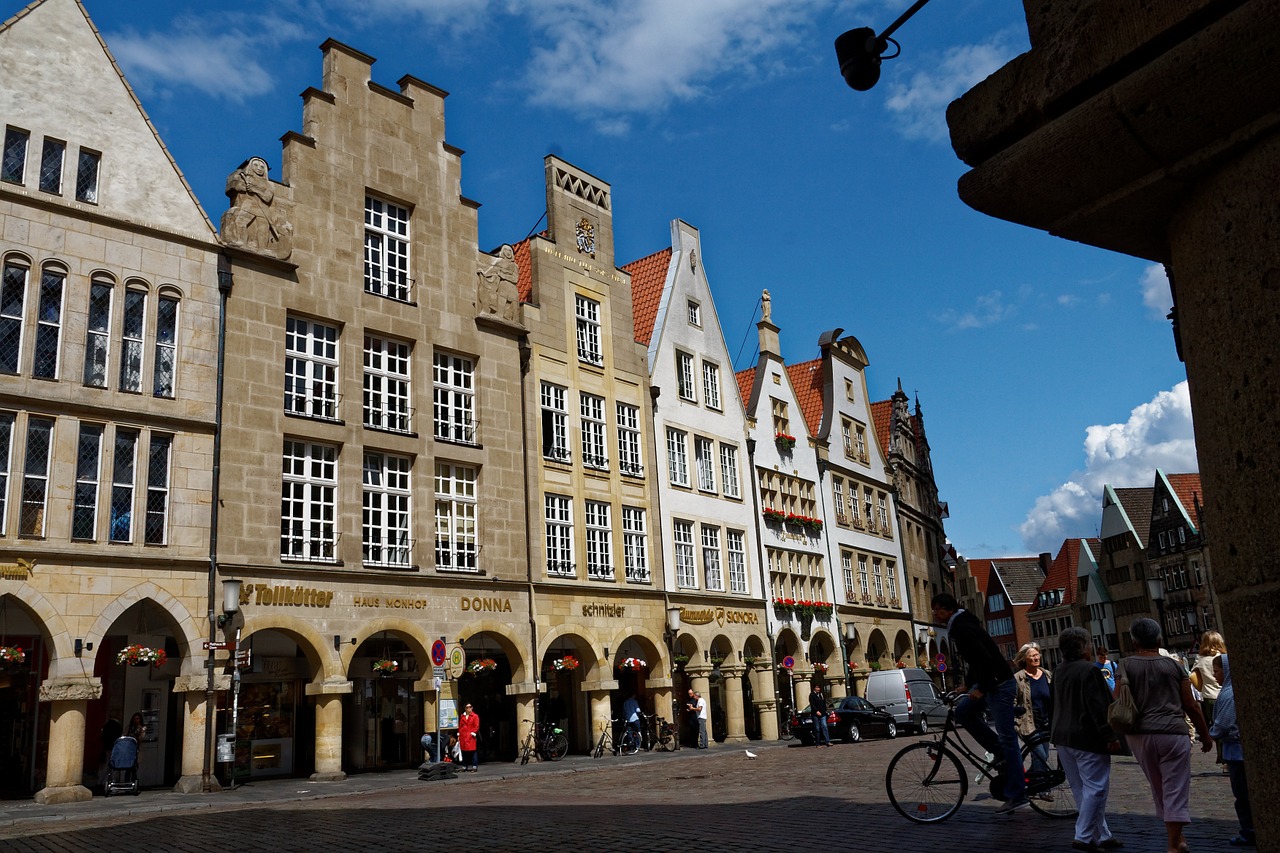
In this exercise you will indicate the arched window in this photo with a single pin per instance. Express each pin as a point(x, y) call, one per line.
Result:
point(165, 371)
point(97, 335)
point(132, 331)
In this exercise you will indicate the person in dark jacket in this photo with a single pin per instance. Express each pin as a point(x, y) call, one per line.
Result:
point(1084, 739)
point(818, 706)
point(989, 684)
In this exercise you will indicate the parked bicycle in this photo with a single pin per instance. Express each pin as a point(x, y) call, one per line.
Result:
point(658, 733)
point(545, 742)
point(606, 741)
point(785, 713)
point(927, 784)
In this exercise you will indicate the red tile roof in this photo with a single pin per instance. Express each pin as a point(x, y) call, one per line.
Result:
point(1187, 488)
point(806, 381)
point(882, 415)
point(648, 276)
point(980, 570)
point(1062, 571)
point(525, 264)
point(746, 378)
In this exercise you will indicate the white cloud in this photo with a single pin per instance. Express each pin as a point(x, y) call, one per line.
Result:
point(1158, 434)
point(988, 310)
point(1155, 292)
point(920, 104)
point(1068, 300)
point(222, 57)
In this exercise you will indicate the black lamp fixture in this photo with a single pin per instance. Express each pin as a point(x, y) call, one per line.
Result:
point(860, 51)
point(230, 601)
point(338, 642)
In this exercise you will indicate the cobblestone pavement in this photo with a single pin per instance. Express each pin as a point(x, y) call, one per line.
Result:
point(789, 798)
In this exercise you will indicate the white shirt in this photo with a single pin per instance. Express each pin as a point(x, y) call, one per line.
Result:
point(702, 708)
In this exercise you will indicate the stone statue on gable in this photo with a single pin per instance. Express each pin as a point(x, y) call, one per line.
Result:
point(255, 220)
point(497, 294)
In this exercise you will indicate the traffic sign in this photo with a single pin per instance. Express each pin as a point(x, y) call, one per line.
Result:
point(218, 646)
point(457, 660)
point(788, 662)
point(437, 672)
point(243, 658)
point(438, 653)
point(942, 667)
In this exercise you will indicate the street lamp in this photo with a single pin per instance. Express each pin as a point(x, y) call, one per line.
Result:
point(671, 635)
point(1155, 588)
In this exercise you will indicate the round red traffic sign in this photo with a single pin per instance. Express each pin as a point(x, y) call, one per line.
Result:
point(438, 653)
point(788, 662)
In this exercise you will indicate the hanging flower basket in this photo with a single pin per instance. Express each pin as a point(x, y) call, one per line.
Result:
point(783, 607)
point(680, 660)
point(12, 656)
point(813, 525)
point(568, 662)
point(771, 514)
point(633, 664)
point(820, 668)
point(900, 665)
point(385, 668)
point(481, 666)
point(823, 610)
point(784, 441)
point(136, 655)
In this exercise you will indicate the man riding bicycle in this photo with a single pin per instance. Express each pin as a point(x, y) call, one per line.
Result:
point(631, 716)
point(989, 684)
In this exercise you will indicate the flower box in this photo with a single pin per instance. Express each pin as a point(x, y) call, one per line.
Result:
point(568, 662)
point(385, 668)
point(900, 665)
point(481, 666)
point(12, 656)
point(633, 664)
point(820, 668)
point(771, 514)
point(784, 442)
point(137, 655)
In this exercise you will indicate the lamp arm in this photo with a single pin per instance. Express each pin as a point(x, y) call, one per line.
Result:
point(902, 19)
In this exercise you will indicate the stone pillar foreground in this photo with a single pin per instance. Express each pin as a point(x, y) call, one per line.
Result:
point(735, 724)
point(193, 690)
point(700, 681)
point(525, 703)
point(329, 729)
point(64, 773)
point(601, 715)
point(839, 689)
point(766, 700)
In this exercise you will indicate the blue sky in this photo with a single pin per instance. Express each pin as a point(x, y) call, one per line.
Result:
point(1045, 368)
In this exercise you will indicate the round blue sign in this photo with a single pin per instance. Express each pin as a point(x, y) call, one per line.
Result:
point(788, 662)
point(438, 653)
point(942, 667)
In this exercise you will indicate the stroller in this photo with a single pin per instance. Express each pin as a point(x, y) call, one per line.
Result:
point(122, 768)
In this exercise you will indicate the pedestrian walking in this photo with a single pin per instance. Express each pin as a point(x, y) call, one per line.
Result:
point(1226, 732)
point(1161, 691)
point(818, 707)
point(468, 737)
point(1033, 704)
point(1084, 738)
point(698, 707)
point(1211, 645)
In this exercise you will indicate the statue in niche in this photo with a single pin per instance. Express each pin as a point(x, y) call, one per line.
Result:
point(496, 292)
point(254, 221)
point(766, 309)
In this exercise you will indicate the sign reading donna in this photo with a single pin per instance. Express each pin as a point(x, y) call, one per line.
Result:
point(719, 615)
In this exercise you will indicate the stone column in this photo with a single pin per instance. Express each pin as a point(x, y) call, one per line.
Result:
point(193, 689)
point(601, 714)
point(700, 681)
point(735, 725)
point(766, 702)
point(64, 773)
point(839, 689)
point(660, 688)
point(526, 696)
point(800, 681)
point(329, 728)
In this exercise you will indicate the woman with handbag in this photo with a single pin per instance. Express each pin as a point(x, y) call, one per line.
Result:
point(1211, 645)
point(1161, 694)
point(1034, 698)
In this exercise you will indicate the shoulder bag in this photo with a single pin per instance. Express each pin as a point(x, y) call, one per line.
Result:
point(1122, 716)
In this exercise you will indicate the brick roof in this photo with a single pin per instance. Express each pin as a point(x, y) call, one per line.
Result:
point(806, 381)
point(648, 277)
point(1187, 488)
point(882, 416)
point(980, 571)
point(525, 264)
point(746, 378)
point(1136, 503)
point(1021, 577)
point(1062, 571)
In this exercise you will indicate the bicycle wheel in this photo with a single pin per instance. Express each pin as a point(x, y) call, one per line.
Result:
point(630, 743)
point(1048, 790)
point(925, 783)
point(526, 750)
point(666, 740)
point(599, 750)
point(556, 746)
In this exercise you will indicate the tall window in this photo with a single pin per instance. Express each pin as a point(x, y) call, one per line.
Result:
point(455, 398)
point(686, 568)
point(13, 297)
point(635, 546)
point(594, 454)
point(97, 335)
point(860, 441)
point(35, 477)
point(384, 510)
point(891, 577)
point(135, 313)
point(704, 452)
point(877, 578)
point(166, 366)
point(587, 313)
point(51, 158)
point(599, 542)
point(13, 160)
point(386, 249)
point(87, 176)
point(308, 507)
point(868, 507)
point(729, 470)
point(559, 520)
point(311, 369)
point(122, 482)
point(386, 384)
point(711, 384)
point(6, 454)
point(677, 457)
point(84, 514)
point(846, 566)
point(684, 376)
point(555, 423)
point(629, 459)
point(48, 325)
point(883, 513)
point(846, 433)
point(156, 525)
point(735, 545)
point(457, 535)
point(837, 488)
point(695, 313)
point(862, 577)
point(711, 557)
point(781, 419)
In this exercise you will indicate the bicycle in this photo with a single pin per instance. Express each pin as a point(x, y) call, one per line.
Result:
point(659, 734)
point(784, 727)
point(606, 740)
point(545, 742)
point(927, 784)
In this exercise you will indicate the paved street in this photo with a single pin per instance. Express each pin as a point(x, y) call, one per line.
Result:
point(788, 798)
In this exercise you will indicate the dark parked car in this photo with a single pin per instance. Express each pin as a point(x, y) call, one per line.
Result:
point(856, 718)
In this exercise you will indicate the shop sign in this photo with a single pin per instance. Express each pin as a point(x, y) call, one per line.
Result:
point(286, 596)
point(482, 605)
point(597, 608)
point(19, 570)
point(394, 602)
point(719, 615)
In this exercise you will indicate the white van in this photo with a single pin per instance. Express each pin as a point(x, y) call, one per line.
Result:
point(909, 695)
